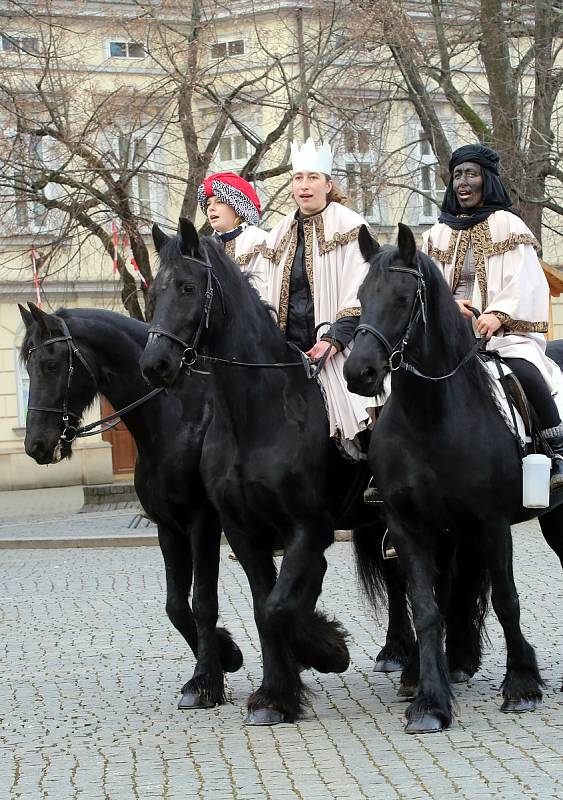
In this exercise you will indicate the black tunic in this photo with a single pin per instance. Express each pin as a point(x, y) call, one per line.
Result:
point(300, 326)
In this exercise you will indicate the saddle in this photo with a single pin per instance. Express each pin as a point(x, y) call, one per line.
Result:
point(518, 403)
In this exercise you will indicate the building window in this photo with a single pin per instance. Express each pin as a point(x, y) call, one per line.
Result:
point(233, 148)
point(126, 50)
point(356, 140)
point(22, 378)
point(29, 213)
point(20, 44)
point(431, 181)
point(134, 156)
point(360, 188)
point(224, 49)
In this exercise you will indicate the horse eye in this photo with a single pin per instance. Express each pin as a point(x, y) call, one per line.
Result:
point(187, 288)
point(51, 366)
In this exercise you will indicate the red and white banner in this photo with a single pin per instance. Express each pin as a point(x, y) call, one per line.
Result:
point(35, 276)
point(138, 271)
point(125, 246)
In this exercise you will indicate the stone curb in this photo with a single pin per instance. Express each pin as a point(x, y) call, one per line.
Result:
point(109, 494)
point(127, 540)
point(134, 540)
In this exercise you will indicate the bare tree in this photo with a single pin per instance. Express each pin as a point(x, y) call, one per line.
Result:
point(515, 47)
point(81, 154)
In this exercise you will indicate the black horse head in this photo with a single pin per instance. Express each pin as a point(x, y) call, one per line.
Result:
point(408, 312)
point(54, 391)
point(178, 294)
point(387, 299)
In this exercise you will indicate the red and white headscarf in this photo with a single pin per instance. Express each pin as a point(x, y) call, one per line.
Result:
point(235, 192)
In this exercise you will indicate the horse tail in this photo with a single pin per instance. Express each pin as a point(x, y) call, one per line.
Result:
point(370, 564)
point(467, 609)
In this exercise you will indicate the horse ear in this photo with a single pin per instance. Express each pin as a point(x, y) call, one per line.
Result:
point(26, 316)
point(189, 239)
point(406, 243)
point(159, 237)
point(368, 245)
point(48, 323)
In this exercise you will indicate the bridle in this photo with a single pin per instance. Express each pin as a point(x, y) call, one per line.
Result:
point(72, 432)
point(396, 353)
point(190, 355)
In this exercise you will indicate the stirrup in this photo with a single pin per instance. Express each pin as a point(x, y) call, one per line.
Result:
point(372, 496)
point(387, 550)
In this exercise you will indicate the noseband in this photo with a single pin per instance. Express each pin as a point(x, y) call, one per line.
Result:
point(396, 353)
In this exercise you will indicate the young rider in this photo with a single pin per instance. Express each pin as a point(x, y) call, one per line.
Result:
point(233, 209)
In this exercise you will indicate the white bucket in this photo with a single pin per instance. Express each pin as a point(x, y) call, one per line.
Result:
point(536, 470)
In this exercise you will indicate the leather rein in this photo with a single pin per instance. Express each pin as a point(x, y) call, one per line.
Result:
point(190, 355)
point(396, 353)
point(72, 432)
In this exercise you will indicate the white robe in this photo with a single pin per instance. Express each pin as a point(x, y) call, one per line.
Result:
point(243, 250)
point(509, 282)
point(335, 270)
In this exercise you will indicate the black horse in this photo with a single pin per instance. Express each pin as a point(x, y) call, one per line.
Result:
point(268, 464)
point(168, 483)
point(447, 465)
point(104, 350)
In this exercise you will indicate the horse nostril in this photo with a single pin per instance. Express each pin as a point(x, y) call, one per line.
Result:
point(158, 374)
point(36, 450)
point(367, 374)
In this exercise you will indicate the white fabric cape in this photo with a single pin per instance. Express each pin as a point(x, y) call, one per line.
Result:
point(335, 270)
point(243, 251)
point(509, 281)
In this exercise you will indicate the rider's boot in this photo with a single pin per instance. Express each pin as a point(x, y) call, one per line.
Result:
point(554, 437)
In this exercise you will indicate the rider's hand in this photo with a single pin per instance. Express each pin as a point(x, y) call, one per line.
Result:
point(317, 351)
point(487, 324)
point(464, 308)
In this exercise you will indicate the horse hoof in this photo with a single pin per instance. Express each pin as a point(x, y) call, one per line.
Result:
point(193, 700)
point(425, 723)
point(460, 676)
point(406, 692)
point(264, 716)
point(519, 706)
point(388, 665)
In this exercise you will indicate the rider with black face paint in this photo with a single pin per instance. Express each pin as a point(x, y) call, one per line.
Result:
point(487, 256)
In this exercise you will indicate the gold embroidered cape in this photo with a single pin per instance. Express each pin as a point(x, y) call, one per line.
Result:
point(509, 282)
point(335, 269)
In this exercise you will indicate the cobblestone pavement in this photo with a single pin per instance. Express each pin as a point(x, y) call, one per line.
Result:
point(91, 670)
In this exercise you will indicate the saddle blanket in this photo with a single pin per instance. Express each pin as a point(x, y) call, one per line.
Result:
point(502, 402)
